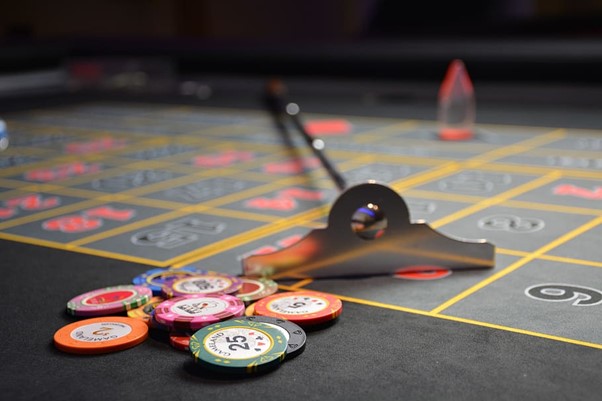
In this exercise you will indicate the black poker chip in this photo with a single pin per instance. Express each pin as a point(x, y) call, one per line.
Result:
point(294, 334)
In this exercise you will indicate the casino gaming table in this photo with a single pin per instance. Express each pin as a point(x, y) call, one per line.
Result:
point(97, 189)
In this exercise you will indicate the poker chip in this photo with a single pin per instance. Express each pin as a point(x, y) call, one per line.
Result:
point(305, 308)
point(100, 335)
point(109, 300)
point(192, 312)
point(295, 336)
point(153, 324)
point(156, 278)
point(253, 289)
point(250, 311)
point(180, 341)
point(238, 346)
point(204, 282)
point(144, 312)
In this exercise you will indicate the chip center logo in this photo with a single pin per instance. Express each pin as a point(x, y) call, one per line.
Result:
point(238, 343)
point(101, 331)
point(199, 307)
point(298, 305)
point(205, 285)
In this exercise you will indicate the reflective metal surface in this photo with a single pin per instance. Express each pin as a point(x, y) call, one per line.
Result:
point(341, 250)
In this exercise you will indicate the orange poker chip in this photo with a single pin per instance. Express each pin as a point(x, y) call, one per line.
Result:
point(101, 335)
point(304, 308)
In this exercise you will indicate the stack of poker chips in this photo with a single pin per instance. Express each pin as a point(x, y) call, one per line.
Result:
point(229, 324)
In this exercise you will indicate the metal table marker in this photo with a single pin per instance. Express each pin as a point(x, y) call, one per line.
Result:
point(369, 231)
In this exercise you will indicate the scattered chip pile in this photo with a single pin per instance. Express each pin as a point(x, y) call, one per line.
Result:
point(232, 325)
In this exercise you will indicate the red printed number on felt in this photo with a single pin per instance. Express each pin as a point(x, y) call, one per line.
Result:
point(285, 199)
point(272, 204)
point(328, 127)
point(109, 213)
point(222, 159)
point(88, 220)
point(574, 190)
point(291, 166)
point(29, 202)
point(6, 213)
point(61, 172)
point(300, 193)
point(33, 202)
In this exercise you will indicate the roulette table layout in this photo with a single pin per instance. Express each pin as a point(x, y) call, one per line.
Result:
point(96, 191)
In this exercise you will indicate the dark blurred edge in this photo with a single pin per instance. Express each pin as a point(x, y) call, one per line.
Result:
point(557, 80)
point(526, 60)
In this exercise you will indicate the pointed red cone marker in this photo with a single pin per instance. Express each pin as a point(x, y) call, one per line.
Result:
point(456, 112)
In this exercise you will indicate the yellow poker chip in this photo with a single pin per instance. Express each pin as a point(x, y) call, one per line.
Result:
point(250, 311)
point(144, 312)
point(100, 335)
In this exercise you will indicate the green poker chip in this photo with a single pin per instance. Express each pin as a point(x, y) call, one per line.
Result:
point(238, 346)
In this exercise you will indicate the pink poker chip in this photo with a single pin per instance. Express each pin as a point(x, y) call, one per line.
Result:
point(192, 312)
point(109, 300)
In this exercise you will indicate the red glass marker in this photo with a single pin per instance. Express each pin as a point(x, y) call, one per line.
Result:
point(456, 113)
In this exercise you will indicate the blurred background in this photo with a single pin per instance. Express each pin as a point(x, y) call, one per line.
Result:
point(377, 51)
